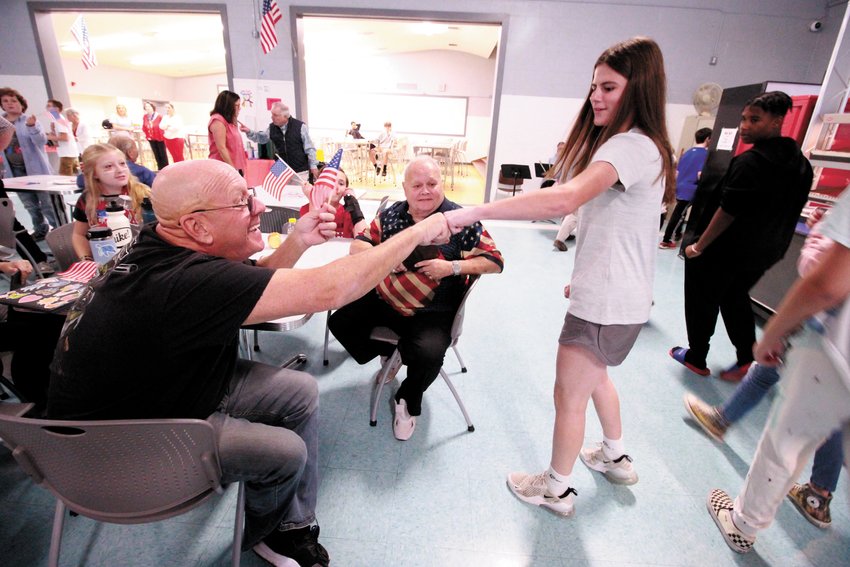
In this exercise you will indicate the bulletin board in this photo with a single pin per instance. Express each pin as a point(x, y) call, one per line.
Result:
point(411, 114)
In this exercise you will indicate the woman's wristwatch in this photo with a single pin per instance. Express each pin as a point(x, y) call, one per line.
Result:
point(455, 268)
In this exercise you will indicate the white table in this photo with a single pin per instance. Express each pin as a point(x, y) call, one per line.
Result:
point(57, 186)
point(293, 197)
point(313, 257)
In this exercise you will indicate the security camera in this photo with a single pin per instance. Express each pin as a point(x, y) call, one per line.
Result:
point(816, 26)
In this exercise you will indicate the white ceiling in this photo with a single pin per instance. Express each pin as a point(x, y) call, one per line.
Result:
point(184, 45)
point(376, 36)
point(170, 44)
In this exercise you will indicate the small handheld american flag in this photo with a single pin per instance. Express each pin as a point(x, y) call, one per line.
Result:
point(326, 183)
point(277, 178)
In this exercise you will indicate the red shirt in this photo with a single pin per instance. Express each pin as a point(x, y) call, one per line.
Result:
point(344, 226)
point(150, 126)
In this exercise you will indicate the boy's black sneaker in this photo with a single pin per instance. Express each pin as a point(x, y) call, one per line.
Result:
point(294, 548)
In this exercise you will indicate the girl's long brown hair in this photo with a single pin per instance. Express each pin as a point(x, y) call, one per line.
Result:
point(642, 105)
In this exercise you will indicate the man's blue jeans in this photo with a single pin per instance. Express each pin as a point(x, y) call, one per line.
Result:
point(268, 436)
point(751, 390)
point(40, 208)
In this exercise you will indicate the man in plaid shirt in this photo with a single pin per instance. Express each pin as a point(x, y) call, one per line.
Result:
point(420, 297)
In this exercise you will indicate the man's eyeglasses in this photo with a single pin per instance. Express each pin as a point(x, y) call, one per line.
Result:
point(249, 202)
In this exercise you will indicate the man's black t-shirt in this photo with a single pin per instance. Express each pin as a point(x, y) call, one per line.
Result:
point(765, 189)
point(157, 337)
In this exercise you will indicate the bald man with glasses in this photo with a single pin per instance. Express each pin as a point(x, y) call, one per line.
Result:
point(157, 337)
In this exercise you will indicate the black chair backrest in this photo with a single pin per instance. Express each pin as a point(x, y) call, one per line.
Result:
point(274, 219)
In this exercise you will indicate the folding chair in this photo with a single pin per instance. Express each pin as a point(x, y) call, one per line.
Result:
point(387, 335)
point(121, 472)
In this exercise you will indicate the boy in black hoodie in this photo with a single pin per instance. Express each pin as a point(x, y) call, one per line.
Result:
point(744, 228)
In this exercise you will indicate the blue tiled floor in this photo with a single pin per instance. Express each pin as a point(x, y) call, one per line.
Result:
point(440, 499)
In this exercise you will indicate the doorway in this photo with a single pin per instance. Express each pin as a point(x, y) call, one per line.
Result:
point(435, 76)
point(176, 55)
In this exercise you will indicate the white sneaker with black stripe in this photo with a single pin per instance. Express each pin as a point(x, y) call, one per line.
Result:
point(720, 508)
point(531, 488)
point(618, 471)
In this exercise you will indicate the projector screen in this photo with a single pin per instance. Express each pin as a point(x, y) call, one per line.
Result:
point(411, 114)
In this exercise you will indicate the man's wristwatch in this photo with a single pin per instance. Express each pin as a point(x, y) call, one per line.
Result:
point(455, 268)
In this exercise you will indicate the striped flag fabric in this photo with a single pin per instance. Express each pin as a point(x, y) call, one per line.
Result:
point(325, 185)
point(80, 272)
point(277, 178)
point(271, 16)
point(81, 33)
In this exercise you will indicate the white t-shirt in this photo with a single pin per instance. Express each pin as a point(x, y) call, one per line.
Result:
point(617, 236)
point(172, 127)
point(66, 148)
point(836, 338)
point(124, 121)
point(83, 137)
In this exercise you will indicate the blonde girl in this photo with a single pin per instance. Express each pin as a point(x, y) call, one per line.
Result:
point(106, 176)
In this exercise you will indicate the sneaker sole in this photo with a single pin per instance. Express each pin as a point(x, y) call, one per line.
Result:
point(275, 559)
point(814, 521)
point(611, 478)
point(548, 507)
point(729, 541)
point(697, 420)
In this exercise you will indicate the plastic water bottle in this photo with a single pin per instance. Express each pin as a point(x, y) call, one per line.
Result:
point(102, 244)
point(290, 227)
point(119, 223)
point(148, 215)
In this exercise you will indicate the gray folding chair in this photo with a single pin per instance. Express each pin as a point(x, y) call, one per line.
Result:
point(122, 472)
point(387, 335)
point(59, 241)
point(8, 237)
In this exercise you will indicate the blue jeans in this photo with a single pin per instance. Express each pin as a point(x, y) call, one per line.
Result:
point(751, 390)
point(40, 207)
point(268, 436)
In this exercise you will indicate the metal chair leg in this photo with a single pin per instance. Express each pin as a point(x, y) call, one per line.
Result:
point(6, 385)
point(295, 360)
point(459, 359)
point(380, 380)
point(243, 344)
point(327, 337)
point(238, 529)
point(469, 426)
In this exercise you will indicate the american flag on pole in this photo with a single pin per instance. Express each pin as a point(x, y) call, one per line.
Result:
point(81, 34)
point(279, 175)
point(271, 16)
point(326, 183)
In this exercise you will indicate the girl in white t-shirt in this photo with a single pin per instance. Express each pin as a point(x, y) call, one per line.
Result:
point(620, 160)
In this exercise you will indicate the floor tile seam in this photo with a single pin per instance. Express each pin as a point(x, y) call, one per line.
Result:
point(357, 469)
